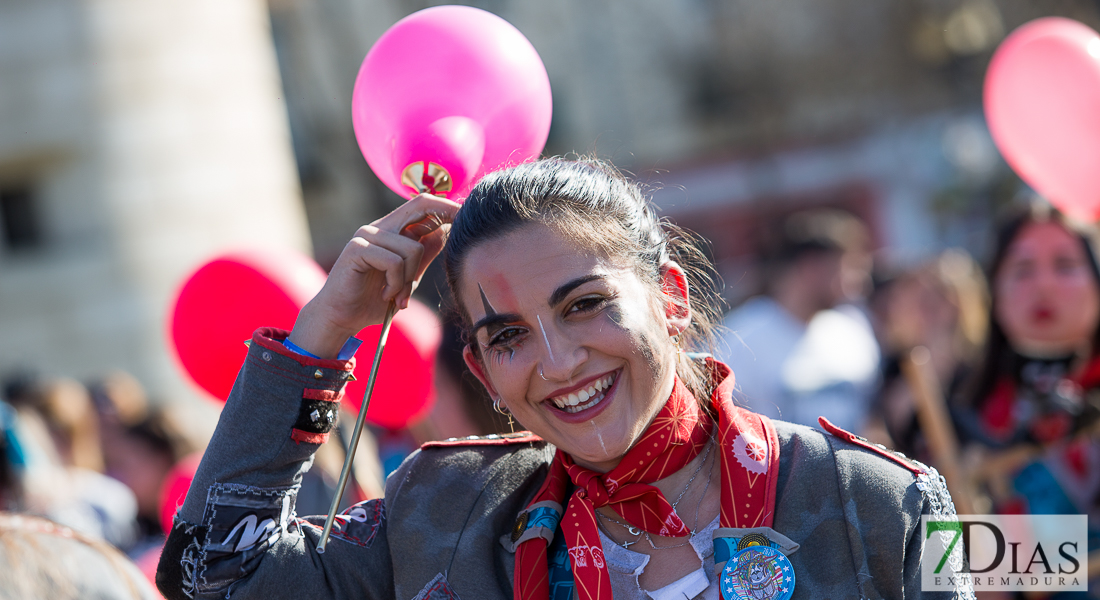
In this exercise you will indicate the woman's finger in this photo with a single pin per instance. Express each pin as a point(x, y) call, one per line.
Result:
point(410, 251)
point(366, 257)
point(427, 212)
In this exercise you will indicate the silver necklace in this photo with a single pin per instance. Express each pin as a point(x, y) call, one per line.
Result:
point(634, 531)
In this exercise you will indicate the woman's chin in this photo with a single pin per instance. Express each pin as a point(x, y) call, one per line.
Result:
point(599, 449)
point(1047, 346)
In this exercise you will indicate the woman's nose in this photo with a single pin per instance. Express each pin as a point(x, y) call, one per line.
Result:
point(562, 356)
point(1046, 279)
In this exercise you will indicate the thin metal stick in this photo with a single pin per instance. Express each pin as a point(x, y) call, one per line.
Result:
point(390, 312)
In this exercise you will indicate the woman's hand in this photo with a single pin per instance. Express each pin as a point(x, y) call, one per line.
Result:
point(383, 262)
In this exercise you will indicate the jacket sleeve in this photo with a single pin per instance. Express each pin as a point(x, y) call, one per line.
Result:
point(884, 496)
point(237, 535)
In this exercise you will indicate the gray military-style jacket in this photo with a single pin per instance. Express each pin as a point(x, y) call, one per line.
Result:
point(442, 529)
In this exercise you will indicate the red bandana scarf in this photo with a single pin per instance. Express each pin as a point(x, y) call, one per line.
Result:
point(999, 414)
point(749, 465)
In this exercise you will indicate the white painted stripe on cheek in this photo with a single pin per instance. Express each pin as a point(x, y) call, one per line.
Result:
point(546, 339)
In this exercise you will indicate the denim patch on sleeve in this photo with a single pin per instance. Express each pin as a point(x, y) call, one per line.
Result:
point(241, 523)
point(437, 589)
point(358, 525)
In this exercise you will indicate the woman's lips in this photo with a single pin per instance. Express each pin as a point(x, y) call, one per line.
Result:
point(1042, 315)
point(575, 407)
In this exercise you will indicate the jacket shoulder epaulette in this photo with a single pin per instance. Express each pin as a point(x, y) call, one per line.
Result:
point(496, 439)
point(909, 464)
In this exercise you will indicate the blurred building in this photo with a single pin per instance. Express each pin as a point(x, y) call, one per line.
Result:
point(137, 140)
point(737, 111)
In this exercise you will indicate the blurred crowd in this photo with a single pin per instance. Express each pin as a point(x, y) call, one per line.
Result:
point(991, 376)
point(91, 474)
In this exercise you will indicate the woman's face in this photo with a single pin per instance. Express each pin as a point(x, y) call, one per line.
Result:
point(1045, 295)
point(573, 344)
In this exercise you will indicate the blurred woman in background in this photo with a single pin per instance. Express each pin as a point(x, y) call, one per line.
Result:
point(1034, 402)
point(942, 306)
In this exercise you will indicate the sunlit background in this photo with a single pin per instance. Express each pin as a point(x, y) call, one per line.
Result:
point(138, 139)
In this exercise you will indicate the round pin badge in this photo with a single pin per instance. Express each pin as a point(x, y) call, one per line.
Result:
point(758, 573)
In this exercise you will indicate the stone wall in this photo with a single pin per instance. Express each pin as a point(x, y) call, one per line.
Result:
point(151, 136)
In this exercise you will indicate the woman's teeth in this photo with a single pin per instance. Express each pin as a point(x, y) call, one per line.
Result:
point(586, 398)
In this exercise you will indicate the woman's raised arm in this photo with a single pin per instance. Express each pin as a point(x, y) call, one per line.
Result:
point(383, 262)
point(237, 531)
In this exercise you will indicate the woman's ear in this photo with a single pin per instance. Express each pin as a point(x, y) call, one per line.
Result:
point(674, 284)
point(474, 364)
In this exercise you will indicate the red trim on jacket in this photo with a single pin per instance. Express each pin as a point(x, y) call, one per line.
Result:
point(863, 443)
point(326, 395)
point(307, 437)
point(271, 338)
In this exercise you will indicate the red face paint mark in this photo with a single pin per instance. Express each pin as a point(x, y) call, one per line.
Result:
point(507, 297)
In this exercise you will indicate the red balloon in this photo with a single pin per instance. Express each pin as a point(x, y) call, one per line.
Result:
point(405, 390)
point(228, 298)
point(1042, 102)
point(173, 490)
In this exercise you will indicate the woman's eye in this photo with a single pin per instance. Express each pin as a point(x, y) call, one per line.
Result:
point(1022, 270)
point(1066, 266)
point(505, 336)
point(587, 304)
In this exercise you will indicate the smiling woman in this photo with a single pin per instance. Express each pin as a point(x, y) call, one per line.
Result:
point(608, 296)
point(638, 478)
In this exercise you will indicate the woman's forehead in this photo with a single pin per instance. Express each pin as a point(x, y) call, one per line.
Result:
point(1043, 238)
point(526, 267)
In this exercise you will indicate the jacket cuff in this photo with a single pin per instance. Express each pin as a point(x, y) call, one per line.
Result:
point(272, 338)
point(282, 404)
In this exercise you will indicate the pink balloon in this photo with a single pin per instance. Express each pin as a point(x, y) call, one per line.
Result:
point(225, 300)
point(405, 390)
point(455, 86)
point(1042, 102)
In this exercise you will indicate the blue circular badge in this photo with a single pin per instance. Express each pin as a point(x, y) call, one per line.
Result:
point(758, 573)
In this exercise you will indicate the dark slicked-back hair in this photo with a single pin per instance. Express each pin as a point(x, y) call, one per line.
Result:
point(591, 203)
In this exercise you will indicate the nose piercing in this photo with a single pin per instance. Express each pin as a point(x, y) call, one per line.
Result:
point(541, 375)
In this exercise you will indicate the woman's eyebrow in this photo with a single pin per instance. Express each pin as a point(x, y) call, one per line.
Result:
point(495, 321)
point(564, 289)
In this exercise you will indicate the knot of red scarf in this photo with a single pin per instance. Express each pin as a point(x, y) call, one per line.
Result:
point(677, 435)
